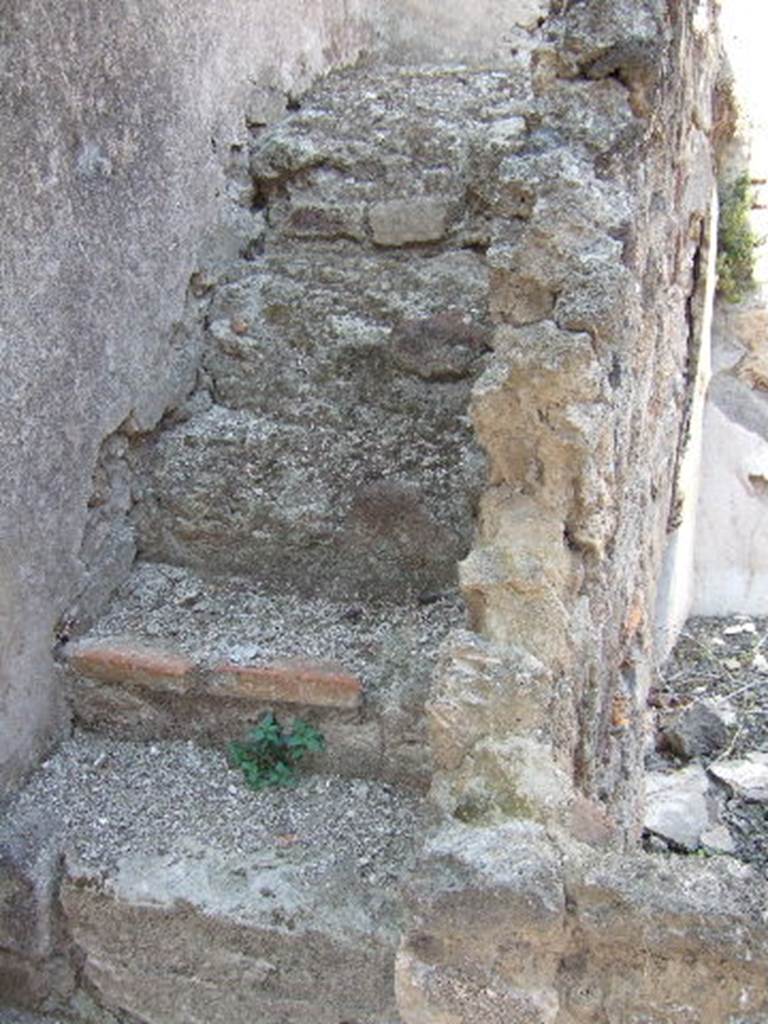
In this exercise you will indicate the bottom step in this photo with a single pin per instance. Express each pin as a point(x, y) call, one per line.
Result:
point(177, 656)
point(185, 898)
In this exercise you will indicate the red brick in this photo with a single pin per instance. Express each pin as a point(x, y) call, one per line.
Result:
point(126, 661)
point(292, 680)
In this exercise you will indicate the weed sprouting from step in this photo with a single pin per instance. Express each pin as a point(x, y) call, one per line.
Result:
point(269, 756)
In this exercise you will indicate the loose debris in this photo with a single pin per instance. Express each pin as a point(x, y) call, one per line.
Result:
point(707, 782)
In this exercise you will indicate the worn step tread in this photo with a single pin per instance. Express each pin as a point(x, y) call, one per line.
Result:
point(165, 842)
point(180, 656)
point(288, 680)
point(231, 619)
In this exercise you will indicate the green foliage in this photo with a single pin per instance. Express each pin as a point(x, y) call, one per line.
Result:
point(736, 242)
point(269, 757)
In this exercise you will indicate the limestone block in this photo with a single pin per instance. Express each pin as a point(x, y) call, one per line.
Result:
point(491, 718)
point(487, 929)
point(677, 807)
point(484, 690)
point(199, 937)
point(541, 412)
point(639, 938)
point(397, 222)
point(519, 575)
point(490, 876)
point(655, 937)
point(517, 777)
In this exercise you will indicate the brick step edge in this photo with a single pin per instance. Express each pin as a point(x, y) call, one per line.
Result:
point(161, 669)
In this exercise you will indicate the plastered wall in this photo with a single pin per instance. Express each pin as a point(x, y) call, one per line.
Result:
point(114, 123)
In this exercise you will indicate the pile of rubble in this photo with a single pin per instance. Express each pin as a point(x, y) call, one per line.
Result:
point(707, 781)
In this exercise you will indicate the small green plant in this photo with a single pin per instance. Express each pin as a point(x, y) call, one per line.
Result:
point(268, 756)
point(736, 241)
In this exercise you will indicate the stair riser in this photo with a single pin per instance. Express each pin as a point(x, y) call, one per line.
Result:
point(389, 744)
point(177, 966)
point(319, 521)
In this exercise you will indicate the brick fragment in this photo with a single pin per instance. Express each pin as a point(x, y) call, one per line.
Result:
point(292, 680)
point(126, 661)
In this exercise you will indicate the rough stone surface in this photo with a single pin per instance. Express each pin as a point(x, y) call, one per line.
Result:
point(677, 808)
point(492, 724)
point(612, 937)
point(519, 244)
point(698, 731)
point(378, 349)
point(747, 777)
point(579, 399)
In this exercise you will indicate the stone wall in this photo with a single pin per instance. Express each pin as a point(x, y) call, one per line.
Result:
point(600, 277)
point(117, 120)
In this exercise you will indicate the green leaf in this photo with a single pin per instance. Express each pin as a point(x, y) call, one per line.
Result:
point(268, 756)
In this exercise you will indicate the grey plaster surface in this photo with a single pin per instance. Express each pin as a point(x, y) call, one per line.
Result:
point(117, 120)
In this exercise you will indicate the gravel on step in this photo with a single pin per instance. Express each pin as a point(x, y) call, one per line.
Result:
point(228, 617)
point(111, 799)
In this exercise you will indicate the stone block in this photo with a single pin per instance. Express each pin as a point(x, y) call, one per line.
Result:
point(33, 962)
point(746, 777)
point(397, 222)
point(324, 221)
point(488, 911)
point(199, 937)
point(677, 807)
point(292, 681)
point(700, 730)
point(28, 875)
point(519, 576)
point(492, 936)
point(517, 299)
point(480, 690)
point(473, 882)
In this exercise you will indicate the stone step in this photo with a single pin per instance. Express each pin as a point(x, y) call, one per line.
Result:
point(351, 515)
point(182, 897)
point(340, 336)
point(390, 159)
point(177, 655)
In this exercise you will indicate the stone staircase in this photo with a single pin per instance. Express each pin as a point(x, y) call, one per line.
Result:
point(298, 524)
